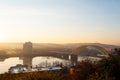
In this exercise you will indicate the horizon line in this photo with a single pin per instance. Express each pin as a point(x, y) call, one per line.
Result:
point(59, 43)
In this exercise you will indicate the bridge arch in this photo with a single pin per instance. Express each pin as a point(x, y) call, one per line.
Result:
point(81, 48)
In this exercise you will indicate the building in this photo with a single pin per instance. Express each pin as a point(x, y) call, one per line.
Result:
point(18, 69)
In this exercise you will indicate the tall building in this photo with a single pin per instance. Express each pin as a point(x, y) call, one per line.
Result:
point(27, 48)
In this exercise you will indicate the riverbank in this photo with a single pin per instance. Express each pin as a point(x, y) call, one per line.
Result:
point(105, 69)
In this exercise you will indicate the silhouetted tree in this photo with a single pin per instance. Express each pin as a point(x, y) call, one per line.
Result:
point(117, 51)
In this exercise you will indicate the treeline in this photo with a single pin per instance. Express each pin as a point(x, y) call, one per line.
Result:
point(105, 69)
point(46, 75)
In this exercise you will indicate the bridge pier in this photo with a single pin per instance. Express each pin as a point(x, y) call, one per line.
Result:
point(27, 61)
point(65, 57)
point(73, 58)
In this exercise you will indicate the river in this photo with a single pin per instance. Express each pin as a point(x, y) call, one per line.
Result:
point(39, 61)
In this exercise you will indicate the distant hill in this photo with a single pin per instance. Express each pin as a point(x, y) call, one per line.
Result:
point(75, 45)
point(51, 46)
point(11, 48)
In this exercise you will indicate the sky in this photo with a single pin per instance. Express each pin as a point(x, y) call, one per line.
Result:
point(60, 21)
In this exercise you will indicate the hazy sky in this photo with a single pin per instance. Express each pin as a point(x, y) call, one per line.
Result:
point(60, 21)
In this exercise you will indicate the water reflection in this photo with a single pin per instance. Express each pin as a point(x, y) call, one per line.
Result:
point(40, 61)
point(49, 61)
point(5, 65)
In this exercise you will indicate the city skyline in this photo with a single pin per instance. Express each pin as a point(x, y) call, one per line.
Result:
point(60, 21)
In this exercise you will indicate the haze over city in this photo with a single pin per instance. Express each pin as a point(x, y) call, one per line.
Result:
point(59, 40)
point(60, 21)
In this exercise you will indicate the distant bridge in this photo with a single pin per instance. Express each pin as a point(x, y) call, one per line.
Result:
point(27, 58)
point(27, 54)
point(101, 49)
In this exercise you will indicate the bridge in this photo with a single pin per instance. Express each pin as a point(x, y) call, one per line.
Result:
point(27, 58)
point(28, 54)
point(102, 50)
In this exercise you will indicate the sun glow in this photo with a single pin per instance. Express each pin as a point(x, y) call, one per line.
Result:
point(3, 36)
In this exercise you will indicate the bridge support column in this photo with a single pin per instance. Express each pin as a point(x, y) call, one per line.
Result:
point(73, 58)
point(27, 61)
point(65, 57)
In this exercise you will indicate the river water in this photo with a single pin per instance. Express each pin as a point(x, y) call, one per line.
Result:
point(39, 61)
